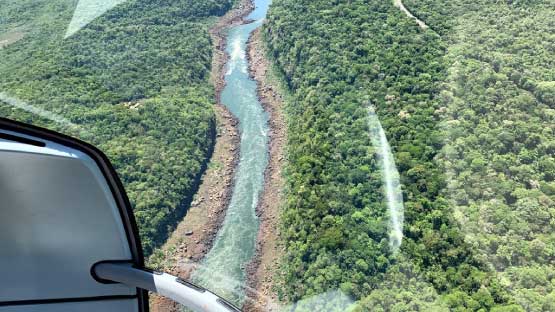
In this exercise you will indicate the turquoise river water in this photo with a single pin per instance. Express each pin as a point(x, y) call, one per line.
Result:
point(223, 270)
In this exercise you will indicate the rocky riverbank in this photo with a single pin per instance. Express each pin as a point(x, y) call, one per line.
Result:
point(195, 235)
point(262, 269)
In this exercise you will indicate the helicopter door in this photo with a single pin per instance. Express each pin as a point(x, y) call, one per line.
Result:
point(62, 210)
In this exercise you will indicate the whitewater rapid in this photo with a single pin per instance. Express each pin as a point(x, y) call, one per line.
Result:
point(223, 268)
point(390, 175)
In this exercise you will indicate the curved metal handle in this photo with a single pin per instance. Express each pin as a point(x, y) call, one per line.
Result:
point(183, 292)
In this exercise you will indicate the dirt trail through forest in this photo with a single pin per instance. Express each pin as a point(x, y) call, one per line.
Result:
point(401, 6)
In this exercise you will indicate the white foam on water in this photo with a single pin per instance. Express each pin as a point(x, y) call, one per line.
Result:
point(236, 57)
point(391, 180)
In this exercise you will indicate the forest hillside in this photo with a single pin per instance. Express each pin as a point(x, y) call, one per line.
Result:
point(135, 82)
point(467, 108)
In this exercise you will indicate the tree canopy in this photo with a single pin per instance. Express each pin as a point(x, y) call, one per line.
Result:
point(467, 115)
point(134, 81)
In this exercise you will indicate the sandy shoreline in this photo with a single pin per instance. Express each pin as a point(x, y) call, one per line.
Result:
point(195, 235)
point(261, 270)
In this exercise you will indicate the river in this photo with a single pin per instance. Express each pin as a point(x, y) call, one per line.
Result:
point(223, 269)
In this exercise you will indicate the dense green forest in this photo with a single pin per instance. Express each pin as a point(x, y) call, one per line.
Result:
point(134, 82)
point(466, 107)
point(500, 136)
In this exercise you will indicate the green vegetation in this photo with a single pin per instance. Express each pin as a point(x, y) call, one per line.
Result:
point(135, 82)
point(500, 136)
point(466, 109)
